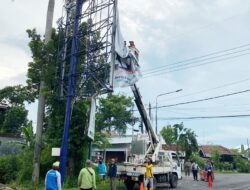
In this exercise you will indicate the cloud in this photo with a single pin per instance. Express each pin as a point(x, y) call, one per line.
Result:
point(227, 135)
point(13, 64)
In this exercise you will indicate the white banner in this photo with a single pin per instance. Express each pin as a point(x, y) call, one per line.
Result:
point(120, 44)
point(127, 70)
point(91, 127)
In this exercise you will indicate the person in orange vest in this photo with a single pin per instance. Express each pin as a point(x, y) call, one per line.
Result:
point(209, 170)
point(148, 179)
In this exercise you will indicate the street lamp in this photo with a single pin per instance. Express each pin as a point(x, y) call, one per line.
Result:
point(156, 105)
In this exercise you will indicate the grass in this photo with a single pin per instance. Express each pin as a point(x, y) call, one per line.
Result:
point(120, 186)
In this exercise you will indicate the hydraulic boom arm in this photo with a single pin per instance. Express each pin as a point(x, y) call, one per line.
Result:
point(154, 141)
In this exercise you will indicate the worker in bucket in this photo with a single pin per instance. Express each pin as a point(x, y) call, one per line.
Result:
point(53, 178)
point(148, 179)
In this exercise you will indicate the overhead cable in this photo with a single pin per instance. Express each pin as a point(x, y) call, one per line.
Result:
point(192, 66)
point(201, 100)
point(205, 117)
point(210, 89)
point(194, 58)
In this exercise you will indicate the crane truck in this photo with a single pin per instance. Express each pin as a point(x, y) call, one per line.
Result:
point(166, 164)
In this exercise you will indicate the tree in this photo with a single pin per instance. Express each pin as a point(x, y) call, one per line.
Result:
point(184, 138)
point(215, 156)
point(114, 114)
point(13, 118)
point(102, 142)
point(45, 58)
point(16, 95)
point(29, 135)
point(168, 134)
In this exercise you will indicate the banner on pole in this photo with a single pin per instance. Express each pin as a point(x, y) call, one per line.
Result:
point(126, 67)
point(91, 124)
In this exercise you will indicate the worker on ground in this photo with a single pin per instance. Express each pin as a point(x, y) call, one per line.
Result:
point(195, 169)
point(101, 170)
point(209, 170)
point(86, 178)
point(148, 180)
point(187, 168)
point(112, 174)
point(53, 178)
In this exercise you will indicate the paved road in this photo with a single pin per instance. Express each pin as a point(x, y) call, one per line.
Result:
point(222, 182)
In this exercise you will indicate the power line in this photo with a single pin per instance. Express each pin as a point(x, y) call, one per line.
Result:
point(206, 55)
point(215, 88)
point(188, 67)
point(201, 100)
point(211, 107)
point(194, 112)
point(175, 65)
point(206, 117)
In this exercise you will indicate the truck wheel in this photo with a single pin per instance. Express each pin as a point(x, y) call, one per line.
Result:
point(129, 184)
point(173, 181)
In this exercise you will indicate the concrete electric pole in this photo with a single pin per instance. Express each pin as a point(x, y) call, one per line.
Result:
point(41, 101)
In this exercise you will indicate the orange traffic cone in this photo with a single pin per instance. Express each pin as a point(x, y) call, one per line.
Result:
point(210, 181)
point(141, 186)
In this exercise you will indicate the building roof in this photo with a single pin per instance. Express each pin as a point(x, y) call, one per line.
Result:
point(208, 149)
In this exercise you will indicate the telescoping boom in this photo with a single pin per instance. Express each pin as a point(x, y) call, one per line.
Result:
point(154, 146)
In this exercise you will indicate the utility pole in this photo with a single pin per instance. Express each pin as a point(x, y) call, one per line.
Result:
point(71, 87)
point(41, 101)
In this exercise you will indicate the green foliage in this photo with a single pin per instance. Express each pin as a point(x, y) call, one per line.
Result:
point(242, 165)
point(195, 157)
point(27, 130)
point(114, 114)
point(184, 138)
point(44, 66)
point(14, 119)
point(225, 166)
point(215, 156)
point(168, 134)
point(101, 140)
point(9, 166)
point(16, 95)
point(26, 165)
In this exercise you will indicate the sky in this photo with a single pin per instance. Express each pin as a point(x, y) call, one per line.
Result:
point(201, 47)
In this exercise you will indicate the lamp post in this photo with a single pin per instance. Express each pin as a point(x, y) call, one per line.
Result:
point(156, 105)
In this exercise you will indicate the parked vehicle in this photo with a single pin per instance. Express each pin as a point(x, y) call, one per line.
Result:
point(166, 164)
